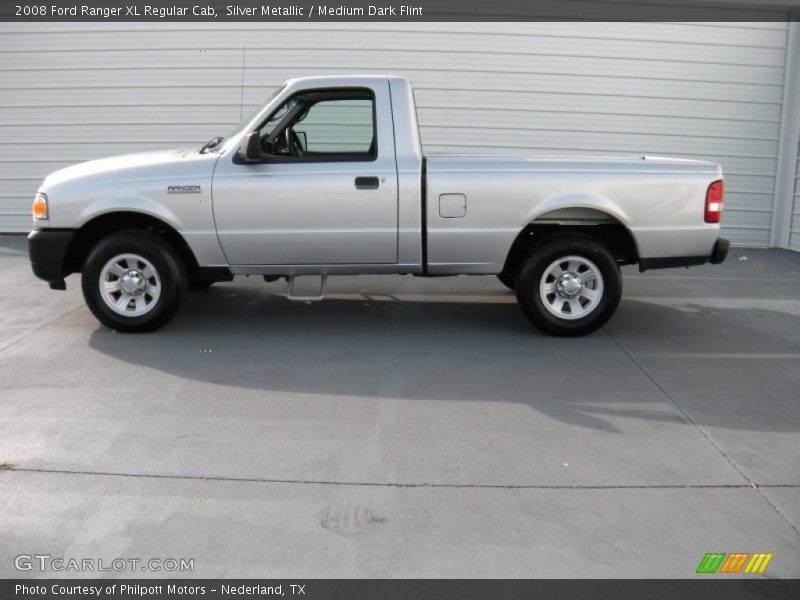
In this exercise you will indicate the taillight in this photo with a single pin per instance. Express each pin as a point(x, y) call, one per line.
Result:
point(714, 202)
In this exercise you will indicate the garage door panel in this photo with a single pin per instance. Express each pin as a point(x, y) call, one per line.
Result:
point(794, 227)
point(603, 40)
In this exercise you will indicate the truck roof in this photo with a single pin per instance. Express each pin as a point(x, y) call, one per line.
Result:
point(345, 79)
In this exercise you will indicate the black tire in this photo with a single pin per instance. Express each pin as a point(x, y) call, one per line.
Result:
point(167, 264)
point(200, 283)
point(508, 279)
point(533, 270)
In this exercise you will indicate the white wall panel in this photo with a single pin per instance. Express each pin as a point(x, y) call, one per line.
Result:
point(72, 92)
point(794, 226)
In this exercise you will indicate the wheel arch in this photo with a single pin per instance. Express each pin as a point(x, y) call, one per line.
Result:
point(106, 223)
point(578, 203)
point(604, 222)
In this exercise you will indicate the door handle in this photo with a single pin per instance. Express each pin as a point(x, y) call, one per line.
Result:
point(367, 183)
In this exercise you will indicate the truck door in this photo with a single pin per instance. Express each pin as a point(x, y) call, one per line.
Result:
point(325, 191)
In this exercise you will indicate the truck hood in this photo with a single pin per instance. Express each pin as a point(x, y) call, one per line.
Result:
point(117, 164)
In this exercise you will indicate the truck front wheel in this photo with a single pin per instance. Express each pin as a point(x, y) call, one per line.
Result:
point(133, 281)
point(569, 286)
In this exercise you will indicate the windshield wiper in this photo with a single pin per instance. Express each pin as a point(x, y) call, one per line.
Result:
point(211, 144)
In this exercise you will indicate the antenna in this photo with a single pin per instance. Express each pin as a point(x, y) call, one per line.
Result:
point(241, 94)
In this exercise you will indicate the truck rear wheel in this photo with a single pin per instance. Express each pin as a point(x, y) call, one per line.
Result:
point(569, 286)
point(133, 281)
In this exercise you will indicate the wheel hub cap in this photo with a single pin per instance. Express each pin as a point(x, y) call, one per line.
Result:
point(569, 285)
point(133, 282)
point(129, 285)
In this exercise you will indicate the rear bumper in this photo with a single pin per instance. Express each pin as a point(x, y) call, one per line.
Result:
point(47, 251)
point(718, 255)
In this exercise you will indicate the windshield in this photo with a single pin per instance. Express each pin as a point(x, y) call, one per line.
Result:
point(219, 141)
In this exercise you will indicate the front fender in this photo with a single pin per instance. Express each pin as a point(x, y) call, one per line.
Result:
point(128, 203)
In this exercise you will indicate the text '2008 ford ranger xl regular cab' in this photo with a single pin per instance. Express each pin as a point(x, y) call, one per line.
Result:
point(328, 178)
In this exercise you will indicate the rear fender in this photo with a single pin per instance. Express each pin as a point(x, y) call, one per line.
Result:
point(577, 201)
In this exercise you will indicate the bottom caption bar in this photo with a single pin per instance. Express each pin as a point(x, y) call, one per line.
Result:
point(390, 589)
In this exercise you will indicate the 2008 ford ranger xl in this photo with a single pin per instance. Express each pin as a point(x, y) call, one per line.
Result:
point(328, 178)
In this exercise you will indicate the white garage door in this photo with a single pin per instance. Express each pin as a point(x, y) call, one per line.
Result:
point(72, 92)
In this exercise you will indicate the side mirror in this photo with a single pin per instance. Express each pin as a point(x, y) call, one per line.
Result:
point(250, 148)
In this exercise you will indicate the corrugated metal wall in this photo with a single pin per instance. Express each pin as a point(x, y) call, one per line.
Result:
point(71, 92)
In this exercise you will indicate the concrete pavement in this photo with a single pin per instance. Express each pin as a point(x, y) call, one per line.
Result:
point(407, 428)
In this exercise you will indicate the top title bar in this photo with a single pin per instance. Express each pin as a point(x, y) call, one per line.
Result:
point(390, 10)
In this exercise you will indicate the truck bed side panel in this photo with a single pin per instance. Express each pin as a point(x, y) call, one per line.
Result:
point(661, 201)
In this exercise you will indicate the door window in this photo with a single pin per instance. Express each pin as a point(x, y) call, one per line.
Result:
point(322, 125)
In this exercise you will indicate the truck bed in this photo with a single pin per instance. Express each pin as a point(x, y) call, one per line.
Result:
point(660, 200)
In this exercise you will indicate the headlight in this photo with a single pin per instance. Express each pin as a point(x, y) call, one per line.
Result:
point(40, 207)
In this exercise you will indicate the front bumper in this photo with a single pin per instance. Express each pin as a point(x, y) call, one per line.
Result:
point(718, 255)
point(47, 251)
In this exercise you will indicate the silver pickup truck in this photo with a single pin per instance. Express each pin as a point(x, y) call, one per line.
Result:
point(328, 178)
